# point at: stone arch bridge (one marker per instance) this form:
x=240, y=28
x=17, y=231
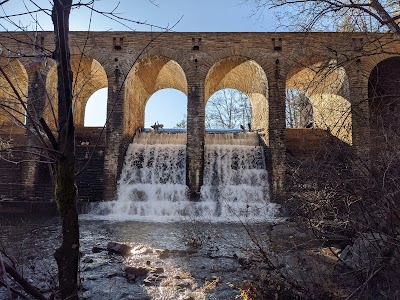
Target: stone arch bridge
x=335, y=71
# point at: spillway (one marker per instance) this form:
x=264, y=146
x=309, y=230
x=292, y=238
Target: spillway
x=152, y=183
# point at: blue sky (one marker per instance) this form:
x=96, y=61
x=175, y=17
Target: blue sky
x=194, y=15
x=167, y=106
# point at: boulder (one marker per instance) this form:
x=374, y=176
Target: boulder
x=367, y=251
x=134, y=273
x=119, y=248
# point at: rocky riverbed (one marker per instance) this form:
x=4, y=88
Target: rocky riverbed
x=172, y=260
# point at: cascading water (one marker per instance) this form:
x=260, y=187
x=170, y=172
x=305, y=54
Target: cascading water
x=152, y=185
x=235, y=178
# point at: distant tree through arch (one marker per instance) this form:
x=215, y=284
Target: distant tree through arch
x=228, y=109
x=299, y=111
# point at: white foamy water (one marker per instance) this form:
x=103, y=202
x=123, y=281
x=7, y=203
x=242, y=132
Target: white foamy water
x=236, y=182
x=152, y=185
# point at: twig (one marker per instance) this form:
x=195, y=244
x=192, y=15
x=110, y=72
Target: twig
x=29, y=288
x=14, y=291
x=365, y=283
x=3, y=269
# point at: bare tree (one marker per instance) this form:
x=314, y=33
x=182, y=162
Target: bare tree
x=228, y=109
x=67, y=256
x=182, y=123
x=62, y=147
x=299, y=112
x=328, y=15
x=350, y=201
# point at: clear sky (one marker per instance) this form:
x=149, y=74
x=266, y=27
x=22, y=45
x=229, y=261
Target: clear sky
x=167, y=107
x=191, y=15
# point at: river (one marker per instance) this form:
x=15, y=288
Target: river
x=195, y=260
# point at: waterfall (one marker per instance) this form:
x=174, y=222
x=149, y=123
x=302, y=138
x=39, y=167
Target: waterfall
x=152, y=185
x=235, y=181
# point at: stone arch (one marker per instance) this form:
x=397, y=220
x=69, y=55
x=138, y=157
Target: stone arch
x=184, y=61
x=326, y=84
x=145, y=78
x=369, y=63
x=246, y=75
x=260, y=56
x=303, y=59
x=13, y=90
x=384, y=102
x=88, y=77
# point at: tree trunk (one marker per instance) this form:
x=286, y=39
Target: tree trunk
x=67, y=256
x=386, y=18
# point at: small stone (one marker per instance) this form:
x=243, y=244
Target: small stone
x=151, y=280
x=88, y=260
x=86, y=268
x=148, y=263
x=43, y=286
x=115, y=274
x=331, y=252
x=92, y=278
x=147, y=282
x=183, y=285
x=164, y=254
x=97, y=249
x=131, y=278
x=157, y=270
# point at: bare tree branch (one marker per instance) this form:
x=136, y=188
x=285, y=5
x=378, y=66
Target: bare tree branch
x=29, y=288
x=4, y=1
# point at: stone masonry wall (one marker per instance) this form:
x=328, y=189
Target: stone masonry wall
x=90, y=180
x=261, y=64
